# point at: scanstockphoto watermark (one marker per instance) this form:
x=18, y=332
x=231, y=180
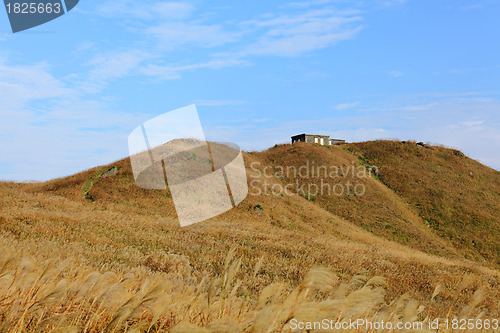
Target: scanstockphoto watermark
x=310, y=180
x=355, y=325
x=361, y=324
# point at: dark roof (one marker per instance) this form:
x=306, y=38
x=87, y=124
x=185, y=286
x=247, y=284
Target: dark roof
x=310, y=135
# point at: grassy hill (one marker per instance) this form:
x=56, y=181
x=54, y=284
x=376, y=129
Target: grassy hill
x=103, y=254
x=374, y=208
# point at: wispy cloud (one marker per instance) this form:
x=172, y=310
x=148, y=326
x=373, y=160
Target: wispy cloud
x=303, y=32
x=472, y=123
x=128, y=9
x=202, y=102
x=345, y=106
x=471, y=7
x=177, y=34
x=414, y=107
x=395, y=73
x=20, y=84
x=112, y=65
x=390, y=3
x=306, y=4
x=172, y=72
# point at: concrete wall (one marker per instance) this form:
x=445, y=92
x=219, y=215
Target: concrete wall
x=317, y=139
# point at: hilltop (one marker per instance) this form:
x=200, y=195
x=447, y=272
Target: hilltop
x=424, y=219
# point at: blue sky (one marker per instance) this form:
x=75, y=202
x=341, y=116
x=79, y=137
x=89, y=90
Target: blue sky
x=73, y=89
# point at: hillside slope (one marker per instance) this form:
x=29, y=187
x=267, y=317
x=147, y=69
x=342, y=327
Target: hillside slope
x=457, y=197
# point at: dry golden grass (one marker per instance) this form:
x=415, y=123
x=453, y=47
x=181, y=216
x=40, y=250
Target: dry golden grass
x=122, y=263
x=68, y=296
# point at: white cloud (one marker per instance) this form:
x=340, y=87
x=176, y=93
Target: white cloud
x=145, y=10
x=415, y=107
x=116, y=64
x=395, y=73
x=472, y=7
x=171, y=35
x=306, y=4
x=161, y=72
x=112, y=65
x=345, y=106
x=218, y=102
x=457, y=94
x=171, y=24
x=19, y=84
x=472, y=123
x=390, y=3
x=172, y=72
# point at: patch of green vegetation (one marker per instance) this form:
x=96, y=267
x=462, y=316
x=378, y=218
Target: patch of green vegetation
x=308, y=196
x=93, y=181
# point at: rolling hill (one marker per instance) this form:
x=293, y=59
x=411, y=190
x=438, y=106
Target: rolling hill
x=414, y=233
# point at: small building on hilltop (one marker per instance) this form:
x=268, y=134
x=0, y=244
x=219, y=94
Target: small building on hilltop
x=323, y=140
